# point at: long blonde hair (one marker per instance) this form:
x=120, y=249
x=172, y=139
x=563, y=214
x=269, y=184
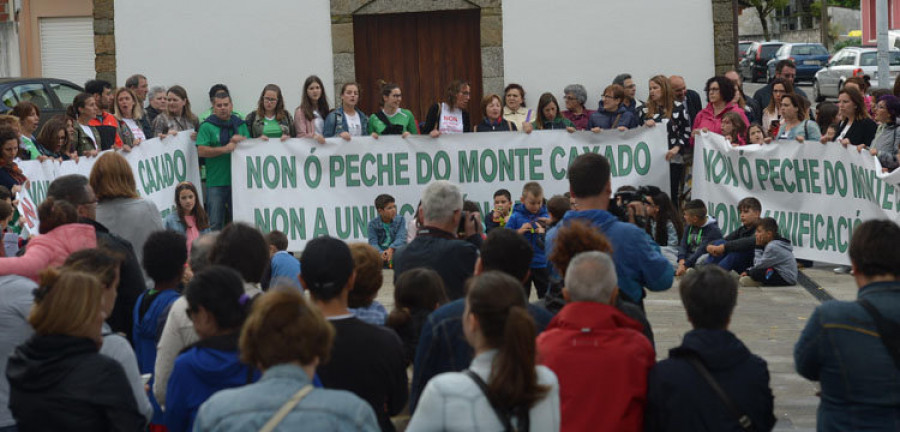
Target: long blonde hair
x=668, y=98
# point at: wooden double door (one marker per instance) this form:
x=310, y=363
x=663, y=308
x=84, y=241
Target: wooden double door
x=422, y=53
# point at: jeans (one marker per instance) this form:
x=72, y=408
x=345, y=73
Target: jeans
x=218, y=206
x=737, y=261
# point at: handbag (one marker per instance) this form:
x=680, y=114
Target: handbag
x=286, y=409
x=521, y=415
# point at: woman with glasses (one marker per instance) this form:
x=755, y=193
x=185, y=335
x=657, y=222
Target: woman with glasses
x=613, y=114
x=887, y=137
x=575, y=97
x=450, y=116
x=53, y=140
x=771, y=115
x=720, y=94
x=630, y=102
x=392, y=120
x=270, y=120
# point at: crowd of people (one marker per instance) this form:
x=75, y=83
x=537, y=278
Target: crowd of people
x=115, y=319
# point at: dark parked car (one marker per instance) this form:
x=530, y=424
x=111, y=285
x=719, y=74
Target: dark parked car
x=753, y=65
x=808, y=57
x=52, y=96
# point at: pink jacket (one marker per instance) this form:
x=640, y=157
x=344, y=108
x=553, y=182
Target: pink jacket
x=305, y=128
x=707, y=119
x=50, y=249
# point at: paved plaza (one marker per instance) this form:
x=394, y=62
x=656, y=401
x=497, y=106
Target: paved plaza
x=769, y=320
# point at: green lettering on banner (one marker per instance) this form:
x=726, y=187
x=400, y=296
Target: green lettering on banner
x=534, y=162
x=610, y=156
x=555, y=154
x=774, y=175
x=162, y=171
x=762, y=172
x=406, y=211
x=337, y=170
x=820, y=222
x=312, y=170
x=441, y=167
x=745, y=172
x=321, y=226
x=624, y=160
x=352, y=165
x=401, y=167
x=292, y=221
x=38, y=190
x=367, y=180
x=507, y=163
x=789, y=185
x=488, y=164
x=814, y=176
x=801, y=174
x=353, y=220
x=842, y=225
x=468, y=166
x=642, y=153
x=888, y=193
x=521, y=154
x=254, y=172
x=830, y=235
x=423, y=168
x=804, y=229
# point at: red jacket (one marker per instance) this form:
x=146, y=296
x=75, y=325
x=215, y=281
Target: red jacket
x=707, y=118
x=108, y=120
x=601, y=359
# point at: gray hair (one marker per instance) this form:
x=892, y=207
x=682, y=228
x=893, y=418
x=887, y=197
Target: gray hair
x=440, y=200
x=591, y=276
x=620, y=79
x=200, y=249
x=154, y=90
x=578, y=91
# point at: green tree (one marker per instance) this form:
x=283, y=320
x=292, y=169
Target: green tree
x=764, y=8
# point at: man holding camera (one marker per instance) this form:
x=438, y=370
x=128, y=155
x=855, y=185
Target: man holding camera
x=436, y=245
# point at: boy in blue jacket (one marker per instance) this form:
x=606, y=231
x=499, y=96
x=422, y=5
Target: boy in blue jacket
x=387, y=232
x=699, y=231
x=530, y=219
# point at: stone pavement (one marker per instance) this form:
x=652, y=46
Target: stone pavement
x=769, y=320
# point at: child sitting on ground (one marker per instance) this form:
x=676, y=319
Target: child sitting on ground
x=387, y=232
x=699, y=231
x=501, y=212
x=735, y=251
x=284, y=266
x=774, y=264
x=530, y=218
x=557, y=207
x=361, y=300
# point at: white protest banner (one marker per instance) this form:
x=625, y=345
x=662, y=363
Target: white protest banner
x=307, y=190
x=817, y=193
x=28, y=213
x=158, y=167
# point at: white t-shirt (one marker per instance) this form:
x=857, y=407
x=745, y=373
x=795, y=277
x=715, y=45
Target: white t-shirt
x=354, y=125
x=90, y=133
x=136, y=130
x=318, y=122
x=451, y=120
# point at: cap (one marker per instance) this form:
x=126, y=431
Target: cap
x=327, y=265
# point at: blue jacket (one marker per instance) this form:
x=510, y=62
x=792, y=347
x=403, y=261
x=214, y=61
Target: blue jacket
x=520, y=216
x=638, y=261
x=145, y=335
x=173, y=223
x=694, y=241
x=377, y=234
x=201, y=370
x=286, y=267
x=248, y=408
x=336, y=122
x=840, y=348
x=604, y=119
x=679, y=399
x=443, y=347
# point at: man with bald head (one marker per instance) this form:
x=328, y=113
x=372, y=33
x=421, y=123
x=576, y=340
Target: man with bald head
x=690, y=98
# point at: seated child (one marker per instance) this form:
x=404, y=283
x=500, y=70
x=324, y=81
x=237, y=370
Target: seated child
x=735, y=251
x=501, y=213
x=774, y=264
x=557, y=207
x=285, y=267
x=387, y=232
x=530, y=218
x=699, y=231
x=361, y=301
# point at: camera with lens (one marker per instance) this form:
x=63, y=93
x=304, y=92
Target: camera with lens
x=625, y=197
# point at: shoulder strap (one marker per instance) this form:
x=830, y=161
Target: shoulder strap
x=286, y=409
x=743, y=419
x=805, y=129
x=501, y=414
x=888, y=330
x=615, y=122
x=384, y=118
x=437, y=120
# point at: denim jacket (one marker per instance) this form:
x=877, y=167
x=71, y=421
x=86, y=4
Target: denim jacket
x=840, y=348
x=377, y=235
x=336, y=122
x=173, y=223
x=250, y=407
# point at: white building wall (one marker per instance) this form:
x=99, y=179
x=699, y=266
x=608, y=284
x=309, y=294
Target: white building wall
x=245, y=45
x=548, y=45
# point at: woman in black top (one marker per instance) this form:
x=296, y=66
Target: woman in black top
x=492, y=107
x=856, y=128
x=450, y=115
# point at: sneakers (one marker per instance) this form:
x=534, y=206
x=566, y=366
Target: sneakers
x=747, y=281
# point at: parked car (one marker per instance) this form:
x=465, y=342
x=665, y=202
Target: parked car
x=848, y=62
x=753, y=65
x=52, y=96
x=808, y=57
x=742, y=47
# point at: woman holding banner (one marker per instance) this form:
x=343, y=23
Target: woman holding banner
x=11, y=175
x=86, y=138
x=548, y=116
x=514, y=111
x=131, y=118
x=771, y=115
x=347, y=121
x=719, y=93
x=450, y=116
x=270, y=120
x=855, y=128
x=662, y=108
x=392, y=120
x=795, y=125
x=53, y=140
x=309, y=118
x=177, y=116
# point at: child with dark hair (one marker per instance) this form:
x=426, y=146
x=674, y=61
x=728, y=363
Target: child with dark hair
x=530, y=219
x=557, y=206
x=699, y=230
x=11, y=241
x=387, y=232
x=417, y=293
x=502, y=207
x=774, y=263
x=165, y=253
x=361, y=300
x=735, y=251
x=284, y=266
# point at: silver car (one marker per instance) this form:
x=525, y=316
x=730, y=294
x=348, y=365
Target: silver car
x=848, y=62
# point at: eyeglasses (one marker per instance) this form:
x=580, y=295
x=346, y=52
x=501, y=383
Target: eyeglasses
x=268, y=99
x=629, y=87
x=567, y=97
x=609, y=97
x=465, y=93
x=712, y=89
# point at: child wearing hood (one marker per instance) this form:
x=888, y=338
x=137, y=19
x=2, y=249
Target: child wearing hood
x=530, y=218
x=699, y=231
x=774, y=263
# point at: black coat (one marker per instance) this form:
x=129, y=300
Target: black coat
x=438, y=250
x=679, y=399
x=431, y=120
x=693, y=104
x=62, y=382
x=861, y=131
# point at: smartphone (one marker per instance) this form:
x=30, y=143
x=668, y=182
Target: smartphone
x=145, y=378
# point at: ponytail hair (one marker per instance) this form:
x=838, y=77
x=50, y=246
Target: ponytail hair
x=219, y=290
x=54, y=213
x=497, y=301
x=386, y=89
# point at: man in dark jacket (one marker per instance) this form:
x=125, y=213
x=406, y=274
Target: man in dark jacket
x=437, y=245
x=679, y=398
x=689, y=98
x=786, y=70
x=75, y=189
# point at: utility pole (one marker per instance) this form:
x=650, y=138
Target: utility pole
x=824, y=23
x=881, y=23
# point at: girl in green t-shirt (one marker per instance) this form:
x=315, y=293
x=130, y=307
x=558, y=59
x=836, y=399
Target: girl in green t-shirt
x=270, y=120
x=392, y=120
